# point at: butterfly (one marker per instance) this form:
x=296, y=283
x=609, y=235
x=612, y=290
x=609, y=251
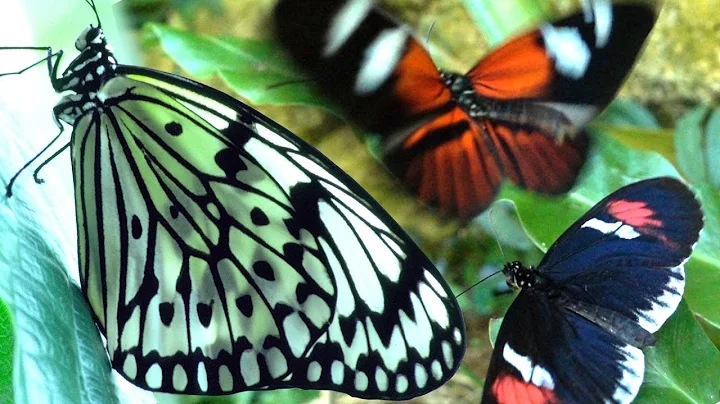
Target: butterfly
x=220, y=253
x=575, y=331
x=452, y=138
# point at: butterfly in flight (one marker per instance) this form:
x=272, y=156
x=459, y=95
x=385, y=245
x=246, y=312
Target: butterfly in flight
x=575, y=331
x=452, y=138
x=220, y=253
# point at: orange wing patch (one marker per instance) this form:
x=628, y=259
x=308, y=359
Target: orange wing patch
x=521, y=68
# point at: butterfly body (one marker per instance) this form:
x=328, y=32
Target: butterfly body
x=576, y=330
x=452, y=138
x=220, y=253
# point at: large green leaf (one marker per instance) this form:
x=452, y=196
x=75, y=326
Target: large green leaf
x=697, y=140
x=7, y=343
x=258, y=70
x=684, y=366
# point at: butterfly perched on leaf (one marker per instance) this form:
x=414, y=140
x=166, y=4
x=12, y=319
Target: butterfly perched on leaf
x=220, y=253
x=575, y=331
x=452, y=138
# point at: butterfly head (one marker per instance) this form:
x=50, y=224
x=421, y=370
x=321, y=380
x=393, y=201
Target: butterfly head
x=518, y=276
x=91, y=36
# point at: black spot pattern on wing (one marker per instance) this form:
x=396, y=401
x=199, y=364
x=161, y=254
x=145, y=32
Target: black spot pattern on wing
x=245, y=305
x=258, y=217
x=174, y=128
x=264, y=270
x=136, y=227
x=167, y=312
x=204, y=312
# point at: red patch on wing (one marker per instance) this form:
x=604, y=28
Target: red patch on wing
x=509, y=389
x=521, y=68
x=417, y=84
x=635, y=214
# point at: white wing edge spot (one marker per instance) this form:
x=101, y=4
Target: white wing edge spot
x=535, y=374
x=421, y=376
x=154, y=376
x=381, y=379
x=401, y=384
x=380, y=60
x=276, y=362
x=361, y=381
x=202, y=378
x=457, y=335
x=249, y=369
x=337, y=372
x=345, y=22
x=130, y=367
x=666, y=304
x=314, y=371
x=437, y=287
x=436, y=369
x=633, y=371
x=225, y=379
x=179, y=378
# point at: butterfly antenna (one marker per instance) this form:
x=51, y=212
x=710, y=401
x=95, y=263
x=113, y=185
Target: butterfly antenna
x=91, y=3
x=427, y=37
x=478, y=282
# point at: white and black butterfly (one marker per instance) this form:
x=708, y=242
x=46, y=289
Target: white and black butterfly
x=574, y=333
x=220, y=253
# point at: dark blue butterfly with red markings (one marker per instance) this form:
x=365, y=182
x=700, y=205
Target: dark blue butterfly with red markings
x=453, y=138
x=574, y=333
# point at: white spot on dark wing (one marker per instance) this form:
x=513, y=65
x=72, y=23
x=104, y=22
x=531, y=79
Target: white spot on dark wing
x=381, y=379
x=435, y=307
x=436, y=370
x=567, y=48
x=314, y=371
x=202, y=378
x=457, y=335
x=664, y=306
x=447, y=354
x=225, y=378
x=316, y=309
x=179, y=378
x=361, y=381
x=534, y=374
x=602, y=11
x=337, y=372
x=249, y=369
x=154, y=376
x=437, y=287
x=318, y=170
x=380, y=60
x=130, y=367
x=401, y=384
x=621, y=230
x=421, y=376
x=633, y=368
x=297, y=333
x=276, y=362
x=344, y=23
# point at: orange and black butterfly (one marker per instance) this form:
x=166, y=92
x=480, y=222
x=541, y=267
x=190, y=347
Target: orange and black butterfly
x=452, y=138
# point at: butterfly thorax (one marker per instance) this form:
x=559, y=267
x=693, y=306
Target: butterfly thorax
x=85, y=75
x=519, y=276
x=529, y=113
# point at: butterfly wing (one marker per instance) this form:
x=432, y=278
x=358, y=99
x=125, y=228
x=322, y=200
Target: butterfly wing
x=459, y=164
x=363, y=60
x=627, y=253
x=566, y=71
x=220, y=254
x=616, y=275
x=548, y=354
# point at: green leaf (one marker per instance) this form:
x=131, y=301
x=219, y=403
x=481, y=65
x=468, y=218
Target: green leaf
x=258, y=70
x=635, y=126
x=609, y=167
x=697, y=140
x=684, y=366
x=7, y=342
x=493, y=329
